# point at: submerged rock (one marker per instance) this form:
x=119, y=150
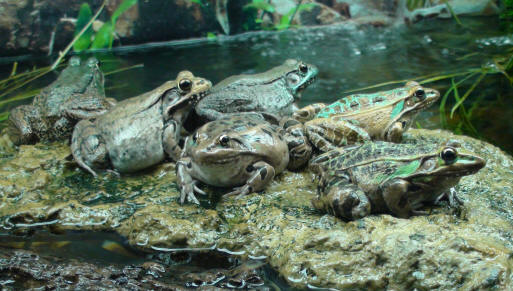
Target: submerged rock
x=449, y=249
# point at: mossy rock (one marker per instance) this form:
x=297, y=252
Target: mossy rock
x=448, y=249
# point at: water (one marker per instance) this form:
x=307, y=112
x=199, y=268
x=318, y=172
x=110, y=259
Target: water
x=348, y=58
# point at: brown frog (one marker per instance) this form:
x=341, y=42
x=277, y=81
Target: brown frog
x=141, y=131
x=78, y=93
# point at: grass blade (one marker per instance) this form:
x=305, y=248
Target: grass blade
x=460, y=102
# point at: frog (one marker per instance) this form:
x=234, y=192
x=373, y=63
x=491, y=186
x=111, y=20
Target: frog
x=78, y=93
x=141, y=131
x=385, y=177
x=358, y=118
x=274, y=92
x=239, y=151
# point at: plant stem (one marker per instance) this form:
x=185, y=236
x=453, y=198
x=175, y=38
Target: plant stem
x=63, y=53
x=295, y=11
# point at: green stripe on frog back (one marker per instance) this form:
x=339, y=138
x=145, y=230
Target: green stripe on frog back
x=400, y=172
x=331, y=109
x=397, y=109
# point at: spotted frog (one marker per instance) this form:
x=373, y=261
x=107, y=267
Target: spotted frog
x=362, y=117
x=141, y=131
x=383, y=177
x=78, y=93
x=272, y=92
x=241, y=150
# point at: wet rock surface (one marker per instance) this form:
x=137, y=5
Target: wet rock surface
x=469, y=248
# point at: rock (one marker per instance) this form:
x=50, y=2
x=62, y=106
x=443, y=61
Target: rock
x=440, y=9
x=449, y=249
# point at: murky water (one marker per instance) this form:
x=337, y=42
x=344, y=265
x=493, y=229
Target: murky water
x=348, y=58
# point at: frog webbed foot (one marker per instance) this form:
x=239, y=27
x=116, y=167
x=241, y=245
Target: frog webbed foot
x=188, y=186
x=262, y=174
x=344, y=201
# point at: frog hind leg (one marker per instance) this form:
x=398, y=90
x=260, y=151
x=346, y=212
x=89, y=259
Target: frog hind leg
x=88, y=148
x=343, y=200
x=300, y=149
x=329, y=133
x=308, y=112
x=262, y=174
x=21, y=129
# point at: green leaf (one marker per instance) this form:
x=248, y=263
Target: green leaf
x=4, y=116
x=211, y=36
x=84, y=15
x=200, y=2
x=284, y=22
x=102, y=39
x=124, y=6
x=259, y=5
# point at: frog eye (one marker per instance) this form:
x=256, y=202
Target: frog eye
x=224, y=139
x=449, y=155
x=185, y=85
x=195, y=137
x=420, y=94
x=303, y=68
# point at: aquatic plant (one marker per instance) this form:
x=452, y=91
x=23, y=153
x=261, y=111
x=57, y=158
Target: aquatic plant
x=257, y=9
x=506, y=15
x=104, y=37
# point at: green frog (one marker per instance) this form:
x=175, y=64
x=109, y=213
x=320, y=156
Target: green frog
x=78, y=93
x=362, y=117
x=384, y=177
x=273, y=92
x=240, y=150
x=141, y=131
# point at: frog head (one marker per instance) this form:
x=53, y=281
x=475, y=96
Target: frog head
x=427, y=176
x=183, y=93
x=404, y=104
x=298, y=75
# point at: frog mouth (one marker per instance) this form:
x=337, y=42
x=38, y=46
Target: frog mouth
x=223, y=157
x=306, y=84
x=195, y=98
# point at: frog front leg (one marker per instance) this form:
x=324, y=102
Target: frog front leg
x=343, y=200
x=308, y=112
x=300, y=149
x=395, y=132
x=397, y=199
x=171, y=139
x=88, y=147
x=330, y=133
x=188, y=186
x=261, y=174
